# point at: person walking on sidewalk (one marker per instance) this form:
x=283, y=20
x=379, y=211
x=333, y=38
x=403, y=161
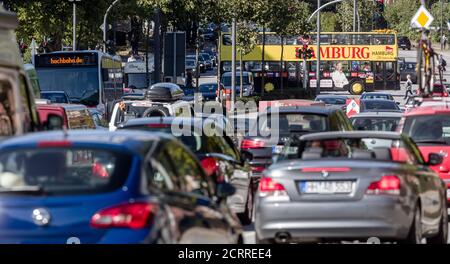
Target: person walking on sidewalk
x=408, y=87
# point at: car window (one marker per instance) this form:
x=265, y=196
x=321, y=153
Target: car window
x=376, y=123
x=163, y=175
x=79, y=119
x=425, y=129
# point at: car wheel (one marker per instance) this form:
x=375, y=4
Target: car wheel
x=415, y=232
x=356, y=88
x=247, y=216
x=156, y=111
x=442, y=236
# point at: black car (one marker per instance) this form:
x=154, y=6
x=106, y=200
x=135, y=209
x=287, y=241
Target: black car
x=331, y=99
x=220, y=159
x=376, y=121
x=266, y=139
x=408, y=68
x=404, y=43
x=379, y=105
x=208, y=91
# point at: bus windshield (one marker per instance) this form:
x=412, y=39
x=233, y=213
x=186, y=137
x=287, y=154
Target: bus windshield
x=80, y=83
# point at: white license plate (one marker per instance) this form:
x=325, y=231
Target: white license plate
x=277, y=149
x=326, y=187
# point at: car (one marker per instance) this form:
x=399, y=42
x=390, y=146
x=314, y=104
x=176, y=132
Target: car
x=376, y=121
x=248, y=83
x=408, y=68
x=439, y=90
x=404, y=43
x=429, y=127
x=377, y=105
x=338, y=186
x=332, y=99
x=377, y=95
x=109, y=188
x=220, y=158
x=73, y=116
x=208, y=58
x=201, y=62
x=57, y=97
x=99, y=120
x=208, y=91
x=266, y=140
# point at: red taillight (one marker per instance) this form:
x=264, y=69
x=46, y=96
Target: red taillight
x=269, y=185
x=54, y=144
x=252, y=144
x=209, y=166
x=131, y=215
x=258, y=168
x=99, y=170
x=388, y=184
x=334, y=169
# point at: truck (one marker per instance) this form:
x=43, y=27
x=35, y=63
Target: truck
x=135, y=75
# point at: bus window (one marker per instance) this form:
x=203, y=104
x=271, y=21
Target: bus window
x=226, y=40
x=383, y=40
x=362, y=39
x=273, y=40
x=325, y=39
x=341, y=39
x=290, y=40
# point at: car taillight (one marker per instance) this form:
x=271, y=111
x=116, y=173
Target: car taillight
x=209, y=166
x=268, y=187
x=54, y=144
x=130, y=215
x=388, y=184
x=252, y=144
x=258, y=168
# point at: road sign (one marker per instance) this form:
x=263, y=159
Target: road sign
x=422, y=18
x=353, y=107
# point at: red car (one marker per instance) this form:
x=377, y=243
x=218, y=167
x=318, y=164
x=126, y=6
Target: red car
x=73, y=116
x=429, y=127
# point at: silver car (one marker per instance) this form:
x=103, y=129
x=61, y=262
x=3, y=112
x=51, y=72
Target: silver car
x=352, y=185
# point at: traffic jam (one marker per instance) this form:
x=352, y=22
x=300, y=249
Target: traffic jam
x=90, y=154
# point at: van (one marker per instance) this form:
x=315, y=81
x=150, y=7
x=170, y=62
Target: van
x=18, y=113
x=248, y=83
x=73, y=116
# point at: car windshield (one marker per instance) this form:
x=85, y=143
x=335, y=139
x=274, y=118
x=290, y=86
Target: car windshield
x=61, y=171
x=349, y=148
x=375, y=123
x=137, y=80
x=207, y=88
x=56, y=98
x=80, y=84
x=226, y=80
x=377, y=96
x=380, y=105
x=292, y=122
x=333, y=101
x=428, y=128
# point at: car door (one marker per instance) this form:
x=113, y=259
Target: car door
x=432, y=189
x=208, y=221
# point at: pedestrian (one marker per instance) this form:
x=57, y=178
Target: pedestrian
x=408, y=86
x=444, y=40
x=189, y=79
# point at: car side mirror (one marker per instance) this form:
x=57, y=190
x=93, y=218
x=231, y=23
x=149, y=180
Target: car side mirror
x=54, y=122
x=434, y=159
x=225, y=190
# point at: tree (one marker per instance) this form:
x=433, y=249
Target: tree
x=246, y=40
x=399, y=15
x=345, y=15
x=329, y=22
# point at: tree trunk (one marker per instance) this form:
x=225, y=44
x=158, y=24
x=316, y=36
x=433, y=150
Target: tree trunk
x=241, y=75
x=281, y=64
x=263, y=69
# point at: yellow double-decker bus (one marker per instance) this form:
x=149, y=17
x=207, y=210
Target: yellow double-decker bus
x=351, y=61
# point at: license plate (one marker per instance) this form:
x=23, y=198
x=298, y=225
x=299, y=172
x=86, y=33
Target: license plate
x=277, y=149
x=326, y=187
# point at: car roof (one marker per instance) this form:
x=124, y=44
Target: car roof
x=351, y=134
x=322, y=110
x=131, y=141
x=378, y=114
x=65, y=106
x=196, y=121
x=428, y=110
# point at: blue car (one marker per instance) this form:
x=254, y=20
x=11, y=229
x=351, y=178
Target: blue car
x=122, y=187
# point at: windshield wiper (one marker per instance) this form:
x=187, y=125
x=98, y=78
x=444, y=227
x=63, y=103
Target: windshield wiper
x=32, y=190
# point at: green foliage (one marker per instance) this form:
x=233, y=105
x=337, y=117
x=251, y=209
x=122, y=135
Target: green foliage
x=436, y=12
x=329, y=22
x=344, y=16
x=399, y=15
x=246, y=39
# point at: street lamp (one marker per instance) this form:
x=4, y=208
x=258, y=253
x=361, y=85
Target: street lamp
x=104, y=23
x=74, y=24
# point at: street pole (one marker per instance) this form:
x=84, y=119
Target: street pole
x=318, y=51
x=157, y=40
x=104, y=23
x=354, y=15
x=233, y=64
x=197, y=65
x=174, y=56
x=442, y=23
x=74, y=24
